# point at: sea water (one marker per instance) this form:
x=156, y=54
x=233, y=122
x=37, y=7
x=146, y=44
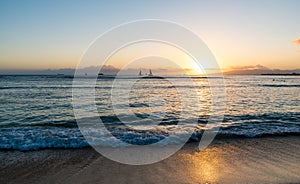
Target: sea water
x=36, y=112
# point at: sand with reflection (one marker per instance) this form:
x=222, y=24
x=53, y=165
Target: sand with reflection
x=259, y=160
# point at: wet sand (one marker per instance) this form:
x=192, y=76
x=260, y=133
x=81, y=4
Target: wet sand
x=257, y=160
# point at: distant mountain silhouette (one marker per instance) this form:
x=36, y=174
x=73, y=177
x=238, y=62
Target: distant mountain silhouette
x=92, y=70
x=111, y=70
x=257, y=70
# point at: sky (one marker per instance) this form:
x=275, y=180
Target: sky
x=55, y=34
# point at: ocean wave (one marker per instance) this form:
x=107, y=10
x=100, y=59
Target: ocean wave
x=35, y=137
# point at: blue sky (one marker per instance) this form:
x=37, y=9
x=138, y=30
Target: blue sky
x=54, y=34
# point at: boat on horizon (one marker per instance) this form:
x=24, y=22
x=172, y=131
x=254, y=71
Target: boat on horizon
x=149, y=76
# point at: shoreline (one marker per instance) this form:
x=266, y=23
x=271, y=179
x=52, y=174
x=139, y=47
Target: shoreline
x=246, y=160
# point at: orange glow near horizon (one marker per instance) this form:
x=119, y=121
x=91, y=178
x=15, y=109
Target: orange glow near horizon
x=155, y=55
x=47, y=59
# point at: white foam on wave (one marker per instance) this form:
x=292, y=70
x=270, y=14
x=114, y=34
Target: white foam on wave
x=34, y=138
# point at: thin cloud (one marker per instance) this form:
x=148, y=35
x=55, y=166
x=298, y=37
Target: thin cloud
x=297, y=41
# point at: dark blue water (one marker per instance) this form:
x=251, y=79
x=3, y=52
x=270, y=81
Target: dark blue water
x=37, y=112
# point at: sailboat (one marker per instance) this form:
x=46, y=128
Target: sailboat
x=150, y=75
x=140, y=73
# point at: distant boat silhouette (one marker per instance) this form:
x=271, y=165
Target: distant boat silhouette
x=150, y=75
x=140, y=73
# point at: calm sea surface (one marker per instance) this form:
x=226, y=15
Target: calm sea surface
x=37, y=111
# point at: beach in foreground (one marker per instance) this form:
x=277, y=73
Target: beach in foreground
x=256, y=160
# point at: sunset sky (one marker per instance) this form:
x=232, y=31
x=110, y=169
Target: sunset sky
x=54, y=34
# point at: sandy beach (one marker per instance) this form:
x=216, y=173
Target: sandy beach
x=257, y=160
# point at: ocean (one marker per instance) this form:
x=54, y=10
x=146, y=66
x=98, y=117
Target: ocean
x=37, y=111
